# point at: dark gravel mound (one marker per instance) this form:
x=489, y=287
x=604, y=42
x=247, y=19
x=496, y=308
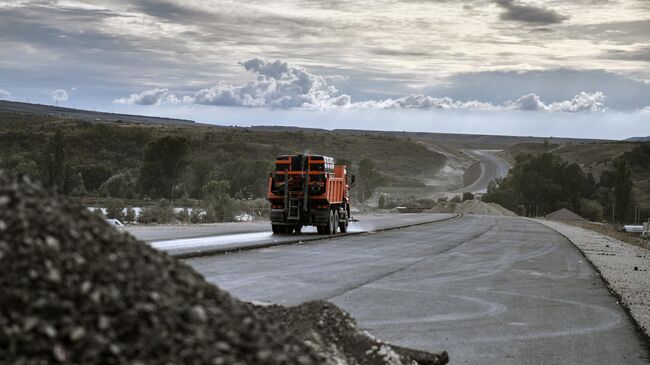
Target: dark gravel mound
x=333, y=332
x=74, y=290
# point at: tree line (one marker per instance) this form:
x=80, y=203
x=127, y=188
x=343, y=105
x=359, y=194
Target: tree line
x=539, y=184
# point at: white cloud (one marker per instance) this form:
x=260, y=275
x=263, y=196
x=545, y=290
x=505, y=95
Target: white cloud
x=278, y=85
x=420, y=101
x=582, y=102
x=645, y=110
x=149, y=97
x=59, y=95
x=4, y=94
x=281, y=85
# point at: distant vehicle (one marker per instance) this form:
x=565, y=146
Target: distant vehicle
x=244, y=217
x=115, y=223
x=309, y=190
x=633, y=229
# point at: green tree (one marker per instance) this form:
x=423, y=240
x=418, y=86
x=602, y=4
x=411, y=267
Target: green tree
x=468, y=196
x=219, y=202
x=369, y=179
x=247, y=178
x=539, y=184
x=54, y=161
x=381, y=204
x=199, y=172
x=121, y=185
x=622, y=190
x=163, y=165
x=115, y=209
x=95, y=175
x=129, y=215
x=591, y=210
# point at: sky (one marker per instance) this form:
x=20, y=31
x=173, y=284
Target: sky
x=575, y=68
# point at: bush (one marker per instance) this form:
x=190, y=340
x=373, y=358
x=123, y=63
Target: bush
x=162, y=212
x=591, y=210
x=381, y=204
x=468, y=196
x=115, y=209
x=183, y=215
x=455, y=199
x=130, y=216
x=196, y=215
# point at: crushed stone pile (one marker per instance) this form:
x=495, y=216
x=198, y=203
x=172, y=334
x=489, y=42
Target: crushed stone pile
x=76, y=291
x=472, y=207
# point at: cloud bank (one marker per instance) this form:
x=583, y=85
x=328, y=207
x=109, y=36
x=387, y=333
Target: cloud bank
x=149, y=97
x=4, y=94
x=59, y=95
x=278, y=84
x=281, y=85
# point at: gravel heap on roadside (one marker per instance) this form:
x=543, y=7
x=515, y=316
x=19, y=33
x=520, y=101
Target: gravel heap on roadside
x=472, y=207
x=74, y=290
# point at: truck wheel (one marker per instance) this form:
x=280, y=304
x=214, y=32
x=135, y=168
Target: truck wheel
x=335, y=222
x=343, y=227
x=330, y=223
x=277, y=229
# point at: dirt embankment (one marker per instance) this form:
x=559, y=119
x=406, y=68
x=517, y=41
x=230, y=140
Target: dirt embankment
x=472, y=207
x=472, y=174
x=76, y=291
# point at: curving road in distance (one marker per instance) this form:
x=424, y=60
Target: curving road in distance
x=492, y=167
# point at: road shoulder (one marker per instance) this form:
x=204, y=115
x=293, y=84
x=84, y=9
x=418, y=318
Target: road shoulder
x=624, y=267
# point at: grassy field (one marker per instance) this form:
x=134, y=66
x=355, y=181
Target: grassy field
x=118, y=146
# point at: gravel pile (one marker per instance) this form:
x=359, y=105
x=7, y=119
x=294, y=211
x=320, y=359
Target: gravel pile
x=74, y=290
x=472, y=207
x=625, y=268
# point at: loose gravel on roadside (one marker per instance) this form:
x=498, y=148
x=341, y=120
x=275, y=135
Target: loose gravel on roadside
x=76, y=291
x=625, y=267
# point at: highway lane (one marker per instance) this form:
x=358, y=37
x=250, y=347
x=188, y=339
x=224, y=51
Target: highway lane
x=486, y=289
x=493, y=167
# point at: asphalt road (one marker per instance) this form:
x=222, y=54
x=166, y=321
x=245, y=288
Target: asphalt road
x=184, y=240
x=493, y=167
x=489, y=290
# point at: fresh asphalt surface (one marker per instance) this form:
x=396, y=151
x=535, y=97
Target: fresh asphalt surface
x=191, y=240
x=493, y=167
x=489, y=290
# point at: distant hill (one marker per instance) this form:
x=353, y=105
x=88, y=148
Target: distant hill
x=69, y=113
x=474, y=140
x=280, y=128
x=638, y=139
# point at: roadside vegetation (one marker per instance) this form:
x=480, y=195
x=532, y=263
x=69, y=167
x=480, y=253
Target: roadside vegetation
x=215, y=172
x=541, y=183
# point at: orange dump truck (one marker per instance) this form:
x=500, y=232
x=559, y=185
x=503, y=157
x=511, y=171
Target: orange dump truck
x=309, y=190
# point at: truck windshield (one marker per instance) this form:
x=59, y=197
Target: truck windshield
x=317, y=167
x=296, y=163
